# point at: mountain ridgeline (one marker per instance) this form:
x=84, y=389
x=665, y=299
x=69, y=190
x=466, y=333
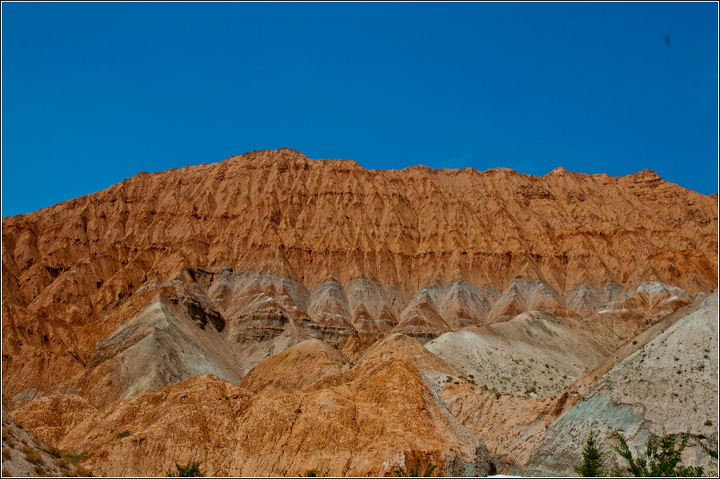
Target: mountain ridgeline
x=313, y=271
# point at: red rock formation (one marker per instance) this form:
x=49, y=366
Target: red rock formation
x=269, y=248
x=174, y=288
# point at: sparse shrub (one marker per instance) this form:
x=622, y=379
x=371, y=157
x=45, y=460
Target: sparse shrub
x=414, y=470
x=40, y=471
x=5, y=435
x=708, y=422
x=661, y=458
x=634, y=342
x=191, y=469
x=54, y=451
x=123, y=434
x=62, y=463
x=10, y=442
x=315, y=473
x=6, y=453
x=6, y=473
x=593, y=461
x=31, y=455
x=74, y=457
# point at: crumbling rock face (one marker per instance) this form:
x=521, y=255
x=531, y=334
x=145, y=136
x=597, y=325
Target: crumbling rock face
x=27, y=455
x=534, y=354
x=216, y=269
x=670, y=385
x=369, y=420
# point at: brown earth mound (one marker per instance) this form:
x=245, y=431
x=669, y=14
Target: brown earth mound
x=376, y=417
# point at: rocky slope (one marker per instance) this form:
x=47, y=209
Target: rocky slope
x=533, y=354
x=669, y=385
x=273, y=276
x=24, y=454
x=325, y=414
x=544, y=436
x=269, y=248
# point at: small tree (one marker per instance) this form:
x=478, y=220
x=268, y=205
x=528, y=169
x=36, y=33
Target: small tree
x=414, y=470
x=661, y=458
x=191, y=469
x=592, y=459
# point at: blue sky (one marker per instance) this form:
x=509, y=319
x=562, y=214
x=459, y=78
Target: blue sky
x=95, y=93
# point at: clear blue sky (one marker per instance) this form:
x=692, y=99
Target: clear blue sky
x=95, y=93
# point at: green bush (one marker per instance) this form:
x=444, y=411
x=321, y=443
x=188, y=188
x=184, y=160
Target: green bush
x=123, y=434
x=315, y=473
x=592, y=459
x=414, y=471
x=74, y=457
x=191, y=469
x=661, y=457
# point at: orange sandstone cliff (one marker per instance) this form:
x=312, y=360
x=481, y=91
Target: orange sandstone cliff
x=213, y=269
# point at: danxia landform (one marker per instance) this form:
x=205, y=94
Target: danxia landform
x=270, y=314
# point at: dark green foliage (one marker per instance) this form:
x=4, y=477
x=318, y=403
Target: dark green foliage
x=661, y=458
x=74, y=457
x=592, y=459
x=191, y=469
x=123, y=434
x=315, y=473
x=414, y=471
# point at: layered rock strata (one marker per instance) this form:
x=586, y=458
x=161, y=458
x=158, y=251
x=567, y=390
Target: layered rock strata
x=269, y=248
x=272, y=278
x=325, y=414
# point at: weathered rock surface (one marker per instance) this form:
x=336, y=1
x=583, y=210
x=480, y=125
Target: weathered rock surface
x=669, y=385
x=369, y=419
x=534, y=353
x=509, y=425
x=24, y=454
x=277, y=248
x=249, y=270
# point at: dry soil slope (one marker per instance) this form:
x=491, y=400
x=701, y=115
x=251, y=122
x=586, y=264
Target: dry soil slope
x=364, y=419
x=534, y=354
x=670, y=384
x=26, y=455
x=279, y=248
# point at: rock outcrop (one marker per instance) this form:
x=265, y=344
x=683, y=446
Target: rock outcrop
x=270, y=278
x=670, y=385
x=533, y=354
x=270, y=248
x=24, y=454
x=365, y=420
